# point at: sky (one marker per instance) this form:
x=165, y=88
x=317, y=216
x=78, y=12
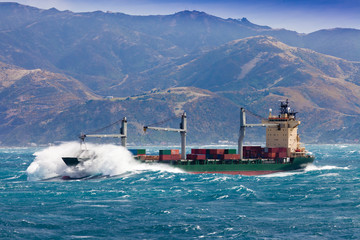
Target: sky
x=303, y=16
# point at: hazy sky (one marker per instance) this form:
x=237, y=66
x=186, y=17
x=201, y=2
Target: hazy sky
x=300, y=15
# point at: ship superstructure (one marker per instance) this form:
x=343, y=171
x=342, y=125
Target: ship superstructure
x=285, y=134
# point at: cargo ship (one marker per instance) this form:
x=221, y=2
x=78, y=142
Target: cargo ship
x=282, y=152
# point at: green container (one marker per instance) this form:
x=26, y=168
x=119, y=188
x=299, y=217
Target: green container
x=230, y=151
x=164, y=152
x=141, y=151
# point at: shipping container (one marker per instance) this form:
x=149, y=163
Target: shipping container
x=196, y=156
x=141, y=151
x=217, y=151
x=164, y=152
x=136, y=152
x=165, y=157
x=230, y=151
x=198, y=151
x=174, y=151
x=133, y=151
x=175, y=156
x=230, y=156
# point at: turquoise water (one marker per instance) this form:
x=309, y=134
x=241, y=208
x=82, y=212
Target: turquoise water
x=126, y=200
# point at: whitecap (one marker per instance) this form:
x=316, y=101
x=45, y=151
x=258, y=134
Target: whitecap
x=329, y=175
x=222, y=197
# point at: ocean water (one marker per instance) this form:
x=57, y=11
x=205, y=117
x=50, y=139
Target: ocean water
x=122, y=199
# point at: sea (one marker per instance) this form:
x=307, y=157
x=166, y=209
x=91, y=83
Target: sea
x=115, y=197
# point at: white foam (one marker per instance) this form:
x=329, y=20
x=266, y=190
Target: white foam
x=308, y=168
x=312, y=167
x=109, y=160
x=281, y=174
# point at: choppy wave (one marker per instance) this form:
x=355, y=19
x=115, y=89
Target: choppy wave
x=108, y=160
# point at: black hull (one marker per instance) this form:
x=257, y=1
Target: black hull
x=71, y=161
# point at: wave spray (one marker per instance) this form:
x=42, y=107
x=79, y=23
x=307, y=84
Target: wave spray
x=108, y=160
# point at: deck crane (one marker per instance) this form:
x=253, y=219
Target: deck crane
x=122, y=135
x=182, y=130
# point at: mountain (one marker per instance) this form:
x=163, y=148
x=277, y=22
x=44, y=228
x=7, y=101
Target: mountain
x=261, y=64
x=256, y=72
x=104, y=50
x=29, y=97
x=340, y=42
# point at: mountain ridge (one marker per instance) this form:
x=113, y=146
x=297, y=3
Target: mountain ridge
x=64, y=70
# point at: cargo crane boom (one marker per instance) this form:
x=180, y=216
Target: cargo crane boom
x=122, y=135
x=182, y=130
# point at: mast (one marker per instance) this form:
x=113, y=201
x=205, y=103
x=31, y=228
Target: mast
x=123, y=132
x=242, y=132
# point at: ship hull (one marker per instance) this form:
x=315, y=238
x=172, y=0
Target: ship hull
x=249, y=168
x=245, y=173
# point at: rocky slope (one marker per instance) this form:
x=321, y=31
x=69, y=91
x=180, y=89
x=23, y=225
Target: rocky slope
x=29, y=97
x=210, y=118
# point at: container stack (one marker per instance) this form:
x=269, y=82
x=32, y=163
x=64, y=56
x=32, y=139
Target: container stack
x=267, y=153
x=273, y=153
x=169, y=155
x=138, y=152
x=197, y=154
x=203, y=154
x=214, y=153
x=230, y=154
x=252, y=151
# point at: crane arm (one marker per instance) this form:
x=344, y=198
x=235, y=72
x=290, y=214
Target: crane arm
x=262, y=125
x=164, y=129
x=105, y=135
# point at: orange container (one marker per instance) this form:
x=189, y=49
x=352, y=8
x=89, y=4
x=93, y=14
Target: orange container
x=174, y=151
x=230, y=156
